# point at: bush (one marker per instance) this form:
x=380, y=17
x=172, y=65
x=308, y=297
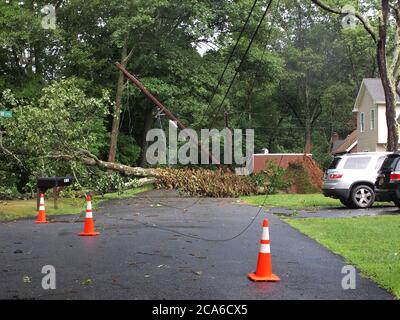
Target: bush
x=128, y=150
x=104, y=182
x=206, y=183
x=9, y=193
x=301, y=179
x=272, y=179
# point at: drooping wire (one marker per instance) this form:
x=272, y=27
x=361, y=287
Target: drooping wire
x=266, y=196
x=263, y=55
x=221, y=79
x=171, y=206
x=241, y=62
x=186, y=235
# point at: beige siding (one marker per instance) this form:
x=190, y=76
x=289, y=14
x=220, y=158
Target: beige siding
x=367, y=140
x=381, y=147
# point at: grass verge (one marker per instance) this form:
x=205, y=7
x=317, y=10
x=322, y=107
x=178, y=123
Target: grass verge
x=372, y=244
x=17, y=209
x=298, y=201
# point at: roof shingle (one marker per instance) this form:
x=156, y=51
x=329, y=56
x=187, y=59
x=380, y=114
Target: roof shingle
x=347, y=143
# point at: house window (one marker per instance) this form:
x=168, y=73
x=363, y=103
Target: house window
x=372, y=119
x=362, y=122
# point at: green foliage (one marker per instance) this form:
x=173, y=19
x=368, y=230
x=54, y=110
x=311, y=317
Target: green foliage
x=8, y=193
x=300, y=177
x=43, y=131
x=128, y=150
x=272, y=179
x=8, y=99
x=63, y=119
x=301, y=74
x=106, y=182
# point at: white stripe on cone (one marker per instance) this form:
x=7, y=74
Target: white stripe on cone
x=265, y=234
x=41, y=208
x=41, y=200
x=265, y=248
x=89, y=213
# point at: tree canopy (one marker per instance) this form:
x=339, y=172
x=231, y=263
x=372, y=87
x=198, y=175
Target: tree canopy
x=302, y=71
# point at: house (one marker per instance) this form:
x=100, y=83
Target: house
x=370, y=112
x=371, y=116
x=347, y=145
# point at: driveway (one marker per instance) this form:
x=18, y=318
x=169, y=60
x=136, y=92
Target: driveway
x=132, y=259
x=337, y=212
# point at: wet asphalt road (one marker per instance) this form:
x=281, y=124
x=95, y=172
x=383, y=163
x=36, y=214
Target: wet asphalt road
x=130, y=260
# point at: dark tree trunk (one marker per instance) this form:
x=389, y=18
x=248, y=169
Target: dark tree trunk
x=389, y=86
x=117, y=108
x=388, y=76
x=308, y=139
x=148, y=123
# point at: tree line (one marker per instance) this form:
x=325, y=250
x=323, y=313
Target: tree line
x=74, y=110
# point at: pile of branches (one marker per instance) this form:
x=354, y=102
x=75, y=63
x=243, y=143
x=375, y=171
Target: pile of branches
x=205, y=183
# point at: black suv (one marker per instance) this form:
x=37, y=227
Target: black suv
x=387, y=185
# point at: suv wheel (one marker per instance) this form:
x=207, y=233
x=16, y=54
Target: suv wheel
x=362, y=196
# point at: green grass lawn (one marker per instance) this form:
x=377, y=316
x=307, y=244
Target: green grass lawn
x=372, y=244
x=17, y=209
x=298, y=201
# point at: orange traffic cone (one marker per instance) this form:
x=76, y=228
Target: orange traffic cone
x=42, y=211
x=88, y=229
x=264, y=265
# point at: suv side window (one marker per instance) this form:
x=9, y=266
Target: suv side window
x=357, y=163
x=379, y=162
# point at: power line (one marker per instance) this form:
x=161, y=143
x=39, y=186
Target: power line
x=248, y=102
x=242, y=61
x=231, y=56
x=187, y=235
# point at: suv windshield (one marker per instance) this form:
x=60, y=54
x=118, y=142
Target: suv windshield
x=335, y=163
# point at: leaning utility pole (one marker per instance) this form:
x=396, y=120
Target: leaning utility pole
x=142, y=88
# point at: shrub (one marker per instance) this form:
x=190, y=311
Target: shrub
x=272, y=179
x=8, y=193
x=107, y=182
x=128, y=150
x=301, y=179
x=276, y=177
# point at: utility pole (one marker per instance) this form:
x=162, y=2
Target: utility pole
x=142, y=88
x=229, y=137
x=226, y=116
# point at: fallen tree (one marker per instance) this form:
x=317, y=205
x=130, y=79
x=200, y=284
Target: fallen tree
x=87, y=158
